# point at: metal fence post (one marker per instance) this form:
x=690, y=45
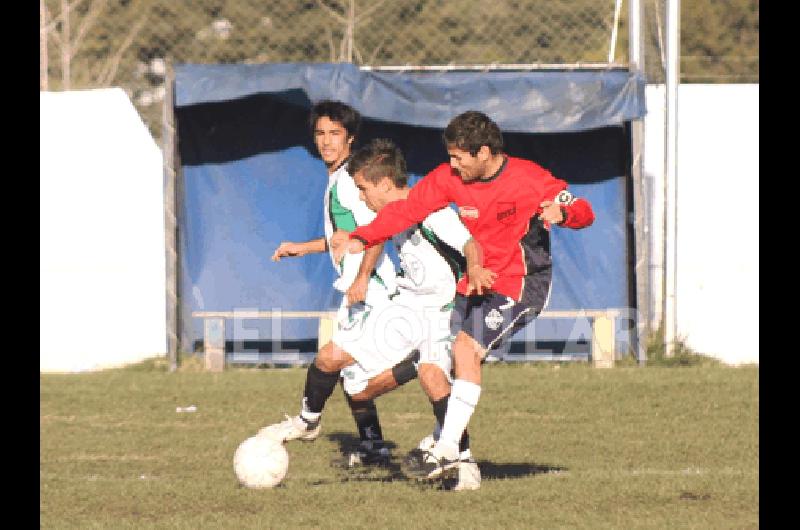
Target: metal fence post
x=170, y=223
x=640, y=223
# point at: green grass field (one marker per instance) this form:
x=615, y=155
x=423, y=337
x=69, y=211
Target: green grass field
x=559, y=446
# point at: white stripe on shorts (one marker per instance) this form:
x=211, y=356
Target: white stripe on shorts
x=489, y=347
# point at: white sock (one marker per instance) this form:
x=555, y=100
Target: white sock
x=463, y=399
x=307, y=415
x=466, y=454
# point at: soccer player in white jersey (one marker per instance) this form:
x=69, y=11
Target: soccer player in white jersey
x=366, y=280
x=432, y=255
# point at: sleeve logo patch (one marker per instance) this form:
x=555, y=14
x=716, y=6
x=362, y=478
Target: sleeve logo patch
x=565, y=197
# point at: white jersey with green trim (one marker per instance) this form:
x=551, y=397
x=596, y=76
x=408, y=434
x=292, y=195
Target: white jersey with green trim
x=432, y=255
x=344, y=210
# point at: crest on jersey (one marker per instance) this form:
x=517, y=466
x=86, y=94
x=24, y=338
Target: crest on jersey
x=506, y=212
x=412, y=268
x=494, y=319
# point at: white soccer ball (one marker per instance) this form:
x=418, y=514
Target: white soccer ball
x=260, y=462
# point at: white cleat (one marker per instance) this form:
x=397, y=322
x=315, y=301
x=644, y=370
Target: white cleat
x=427, y=443
x=292, y=428
x=469, y=476
x=424, y=446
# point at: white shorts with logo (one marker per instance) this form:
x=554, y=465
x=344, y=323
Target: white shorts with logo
x=381, y=332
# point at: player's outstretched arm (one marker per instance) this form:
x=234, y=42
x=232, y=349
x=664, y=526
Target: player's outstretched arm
x=478, y=278
x=292, y=249
x=427, y=196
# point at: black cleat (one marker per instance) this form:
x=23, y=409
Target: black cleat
x=363, y=457
x=413, y=458
x=427, y=466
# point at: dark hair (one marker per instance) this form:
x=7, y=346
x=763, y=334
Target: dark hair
x=471, y=130
x=338, y=112
x=380, y=158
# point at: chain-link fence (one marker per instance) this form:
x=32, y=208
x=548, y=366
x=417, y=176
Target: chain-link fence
x=718, y=41
x=129, y=43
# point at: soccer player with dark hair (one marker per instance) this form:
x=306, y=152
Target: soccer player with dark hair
x=509, y=205
x=365, y=279
x=434, y=254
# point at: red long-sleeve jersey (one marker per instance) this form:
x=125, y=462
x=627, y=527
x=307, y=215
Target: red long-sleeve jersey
x=500, y=213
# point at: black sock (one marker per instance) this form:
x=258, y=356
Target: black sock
x=365, y=413
x=439, y=410
x=319, y=387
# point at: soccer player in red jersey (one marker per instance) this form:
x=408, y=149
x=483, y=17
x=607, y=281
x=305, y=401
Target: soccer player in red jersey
x=509, y=206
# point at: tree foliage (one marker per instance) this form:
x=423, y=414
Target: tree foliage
x=130, y=43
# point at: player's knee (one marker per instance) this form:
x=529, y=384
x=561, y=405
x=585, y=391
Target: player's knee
x=467, y=356
x=467, y=348
x=330, y=358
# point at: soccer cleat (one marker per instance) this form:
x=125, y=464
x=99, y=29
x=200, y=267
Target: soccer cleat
x=429, y=466
x=365, y=457
x=426, y=444
x=292, y=428
x=469, y=476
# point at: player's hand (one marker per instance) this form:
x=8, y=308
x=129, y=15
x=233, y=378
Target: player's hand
x=358, y=291
x=340, y=248
x=551, y=212
x=479, y=279
x=338, y=244
x=287, y=248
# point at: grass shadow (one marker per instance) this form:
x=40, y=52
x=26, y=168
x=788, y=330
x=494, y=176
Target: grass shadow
x=347, y=442
x=492, y=471
x=393, y=472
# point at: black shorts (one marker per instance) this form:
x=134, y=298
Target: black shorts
x=491, y=319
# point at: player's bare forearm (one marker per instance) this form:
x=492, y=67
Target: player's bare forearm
x=316, y=245
x=473, y=254
x=479, y=278
x=358, y=290
x=371, y=256
x=292, y=249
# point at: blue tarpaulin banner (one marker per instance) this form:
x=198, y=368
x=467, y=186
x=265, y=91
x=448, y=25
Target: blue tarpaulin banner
x=535, y=102
x=250, y=178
